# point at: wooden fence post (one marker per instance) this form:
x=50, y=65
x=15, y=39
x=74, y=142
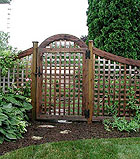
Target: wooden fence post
x=34, y=79
x=90, y=81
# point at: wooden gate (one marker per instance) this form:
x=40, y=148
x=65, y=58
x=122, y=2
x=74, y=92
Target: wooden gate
x=60, y=77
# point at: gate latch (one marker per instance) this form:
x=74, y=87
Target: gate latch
x=87, y=54
x=86, y=113
x=39, y=73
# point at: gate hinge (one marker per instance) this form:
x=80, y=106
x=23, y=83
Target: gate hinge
x=87, y=113
x=87, y=54
x=38, y=73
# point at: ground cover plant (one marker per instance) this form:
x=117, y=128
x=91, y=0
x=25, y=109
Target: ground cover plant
x=125, y=148
x=121, y=123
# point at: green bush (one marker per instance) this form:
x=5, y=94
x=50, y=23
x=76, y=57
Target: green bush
x=114, y=26
x=13, y=118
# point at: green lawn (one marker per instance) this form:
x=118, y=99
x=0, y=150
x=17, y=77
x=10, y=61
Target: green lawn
x=124, y=148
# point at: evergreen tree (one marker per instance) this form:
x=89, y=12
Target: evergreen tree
x=114, y=26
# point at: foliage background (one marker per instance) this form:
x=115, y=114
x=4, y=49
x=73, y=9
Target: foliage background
x=8, y=54
x=114, y=26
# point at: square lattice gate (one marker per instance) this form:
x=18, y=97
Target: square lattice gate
x=60, y=77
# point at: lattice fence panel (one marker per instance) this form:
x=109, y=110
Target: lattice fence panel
x=17, y=76
x=113, y=83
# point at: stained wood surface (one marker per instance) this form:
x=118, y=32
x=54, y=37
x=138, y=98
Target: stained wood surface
x=25, y=53
x=57, y=50
x=73, y=117
x=34, y=80
x=90, y=74
x=116, y=58
x=63, y=37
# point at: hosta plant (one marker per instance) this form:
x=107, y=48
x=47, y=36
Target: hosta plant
x=13, y=118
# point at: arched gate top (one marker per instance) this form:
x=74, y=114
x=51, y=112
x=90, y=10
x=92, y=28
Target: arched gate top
x=67, y=37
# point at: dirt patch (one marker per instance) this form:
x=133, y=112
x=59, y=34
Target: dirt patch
x=76, y=130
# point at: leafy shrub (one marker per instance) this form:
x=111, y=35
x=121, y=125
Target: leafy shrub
x=7, y=60
x=114, y=26
x=13, y=118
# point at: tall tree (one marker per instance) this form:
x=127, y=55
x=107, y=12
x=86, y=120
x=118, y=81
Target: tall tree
x=114, y=26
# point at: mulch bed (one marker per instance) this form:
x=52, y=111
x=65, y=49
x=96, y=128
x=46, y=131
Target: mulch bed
x=79, y=130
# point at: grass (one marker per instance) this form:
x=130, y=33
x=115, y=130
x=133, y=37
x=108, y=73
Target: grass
x=123, y=148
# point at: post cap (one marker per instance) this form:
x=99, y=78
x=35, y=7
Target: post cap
x=35, y=42
x=90, y=40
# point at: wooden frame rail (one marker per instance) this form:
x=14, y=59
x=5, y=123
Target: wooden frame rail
x=96, y=51
x=116, y=58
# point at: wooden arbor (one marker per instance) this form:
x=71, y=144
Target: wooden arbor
x=62, y=78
